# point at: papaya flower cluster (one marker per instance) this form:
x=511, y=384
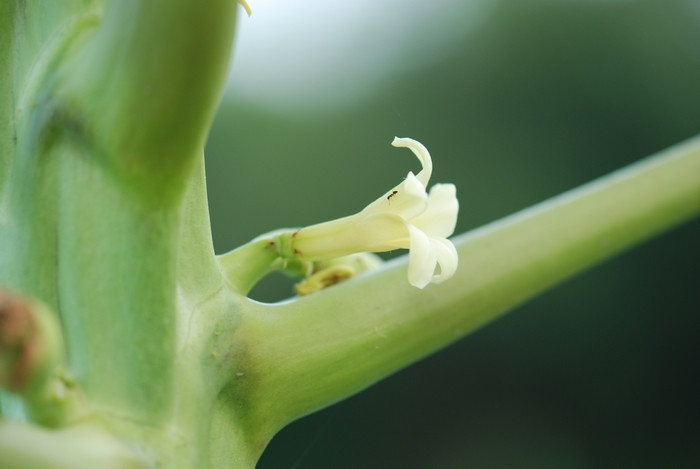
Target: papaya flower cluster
x=406, y=217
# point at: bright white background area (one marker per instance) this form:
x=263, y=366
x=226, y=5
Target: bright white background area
x=321, y=54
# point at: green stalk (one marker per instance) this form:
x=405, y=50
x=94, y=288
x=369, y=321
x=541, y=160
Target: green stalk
x=103, y=216
x=166, y=61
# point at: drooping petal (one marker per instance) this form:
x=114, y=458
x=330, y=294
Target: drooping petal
x=422, y=258
x=447, y=259
x=440, y=217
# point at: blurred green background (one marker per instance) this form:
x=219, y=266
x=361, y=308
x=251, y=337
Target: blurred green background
x=517, y=101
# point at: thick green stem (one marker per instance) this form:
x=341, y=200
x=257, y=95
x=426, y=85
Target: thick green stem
x=104, y=216
x=166, y=61
x=7, y=52
x=316, y=350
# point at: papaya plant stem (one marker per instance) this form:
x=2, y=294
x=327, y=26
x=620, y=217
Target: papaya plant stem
x=167, y=61
x=313, y=351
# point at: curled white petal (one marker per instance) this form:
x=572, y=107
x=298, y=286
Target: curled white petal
x=422, y=258
x=440, y=217
x=423, y=156
x=447, y=259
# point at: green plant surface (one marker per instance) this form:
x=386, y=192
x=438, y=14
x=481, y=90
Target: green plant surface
x=161, y=360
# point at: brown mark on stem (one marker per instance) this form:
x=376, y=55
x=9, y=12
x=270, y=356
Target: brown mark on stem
x=19, y=342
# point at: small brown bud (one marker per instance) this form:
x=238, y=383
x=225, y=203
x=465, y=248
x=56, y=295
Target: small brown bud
x=19, y=342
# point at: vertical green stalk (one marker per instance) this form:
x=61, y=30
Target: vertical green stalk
x=7, y=13
x=149, y=79
x=106, y=124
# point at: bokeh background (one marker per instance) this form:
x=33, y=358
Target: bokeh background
x=517, y=100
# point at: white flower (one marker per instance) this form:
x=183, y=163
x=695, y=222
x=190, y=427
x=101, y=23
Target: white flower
x=406, y=217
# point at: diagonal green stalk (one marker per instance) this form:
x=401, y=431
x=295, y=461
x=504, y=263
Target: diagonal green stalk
x=315, y=350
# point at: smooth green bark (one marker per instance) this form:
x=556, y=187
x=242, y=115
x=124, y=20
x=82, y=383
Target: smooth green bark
x=166, y=60
x=104, y=207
